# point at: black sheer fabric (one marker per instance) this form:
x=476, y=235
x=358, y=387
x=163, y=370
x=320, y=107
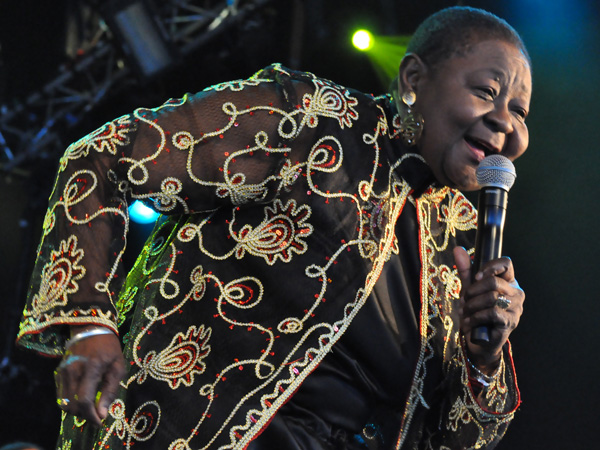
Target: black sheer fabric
x=354, y=399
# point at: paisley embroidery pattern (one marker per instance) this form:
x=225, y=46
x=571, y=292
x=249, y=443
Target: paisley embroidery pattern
x=60, y=276
x=180, y=361
x=282, y=233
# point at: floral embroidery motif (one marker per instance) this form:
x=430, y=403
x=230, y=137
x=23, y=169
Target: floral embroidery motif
x=60, y=276
x=330, y=101
x=459, y=214
x=281, y=233
x=181, y=360
x=107, y=138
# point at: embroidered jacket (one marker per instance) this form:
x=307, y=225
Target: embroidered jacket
x=279, y=196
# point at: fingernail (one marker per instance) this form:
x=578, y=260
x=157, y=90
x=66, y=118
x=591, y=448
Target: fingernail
x=479, y=276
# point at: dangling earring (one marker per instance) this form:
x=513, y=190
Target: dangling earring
x=411, y=125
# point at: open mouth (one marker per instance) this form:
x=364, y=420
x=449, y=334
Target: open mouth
x=479, y=148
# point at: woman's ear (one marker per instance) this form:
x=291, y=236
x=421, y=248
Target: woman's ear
x=412, y=71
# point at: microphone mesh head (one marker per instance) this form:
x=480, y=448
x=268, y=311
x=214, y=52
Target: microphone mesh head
x=496, y=171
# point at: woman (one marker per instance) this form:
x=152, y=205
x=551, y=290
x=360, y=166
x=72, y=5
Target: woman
x=298, y=214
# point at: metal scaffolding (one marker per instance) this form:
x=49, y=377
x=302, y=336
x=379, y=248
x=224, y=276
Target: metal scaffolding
x=101, y=65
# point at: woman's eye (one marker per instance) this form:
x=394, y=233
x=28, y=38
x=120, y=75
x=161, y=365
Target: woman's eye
x=487, y=93
x=521, y=113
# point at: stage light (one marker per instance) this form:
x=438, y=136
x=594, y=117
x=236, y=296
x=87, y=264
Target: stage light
x=362, y=40
x=384, y=52
x=141, y=37
x=140, y=213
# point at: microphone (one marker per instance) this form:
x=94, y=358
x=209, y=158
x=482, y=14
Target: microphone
x=496, y=175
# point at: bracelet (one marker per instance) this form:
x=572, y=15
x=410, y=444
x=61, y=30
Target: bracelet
x=481, y=377
x=98, y=331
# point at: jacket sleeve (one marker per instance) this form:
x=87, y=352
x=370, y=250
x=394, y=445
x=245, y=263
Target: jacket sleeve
x=474, y=414
x=224, y=145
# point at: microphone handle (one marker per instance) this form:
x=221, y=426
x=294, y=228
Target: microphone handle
x=488, y=243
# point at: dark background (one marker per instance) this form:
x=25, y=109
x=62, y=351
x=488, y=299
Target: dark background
x=553, y=205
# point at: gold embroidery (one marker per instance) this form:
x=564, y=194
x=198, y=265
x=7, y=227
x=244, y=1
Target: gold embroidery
x=329, y=101
x=282, y=233
x=107, y=138
x=237, y=85
x=180, y=360
x=141, y=426
x=440, y=285
x=459, y=414
x=59, y=277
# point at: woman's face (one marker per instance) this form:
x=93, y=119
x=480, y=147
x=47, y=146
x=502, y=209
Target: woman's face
x=474, y=105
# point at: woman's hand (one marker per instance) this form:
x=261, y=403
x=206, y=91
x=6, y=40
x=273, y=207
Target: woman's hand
x=87, y=379
x=480, y=306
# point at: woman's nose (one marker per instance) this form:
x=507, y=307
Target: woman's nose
x=500, y=118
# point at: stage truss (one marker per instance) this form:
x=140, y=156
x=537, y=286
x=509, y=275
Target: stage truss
x=34, y=128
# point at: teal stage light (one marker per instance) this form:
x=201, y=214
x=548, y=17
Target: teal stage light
x=140, y=213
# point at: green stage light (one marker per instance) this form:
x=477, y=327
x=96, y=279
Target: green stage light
x=362, y=40
x=384, y=52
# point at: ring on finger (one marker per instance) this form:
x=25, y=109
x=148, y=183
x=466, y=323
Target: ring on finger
x=502, y=302
x=62, y=402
